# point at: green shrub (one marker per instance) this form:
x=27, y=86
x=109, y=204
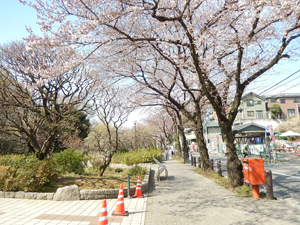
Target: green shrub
x=118, y=170
x=118, y=157
x=70, y=161
x=142, y=155
x=26, y=173
x=137, y=170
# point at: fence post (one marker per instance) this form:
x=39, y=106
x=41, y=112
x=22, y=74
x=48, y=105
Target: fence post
x=219, y=168
x=211, y=164
x=269, y=184
x=192, y=160
x=195, y=162
x=128, y=185
x=199, y=162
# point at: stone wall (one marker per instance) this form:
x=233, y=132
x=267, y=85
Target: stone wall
x=83, y=194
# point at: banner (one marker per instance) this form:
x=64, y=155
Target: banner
x=271, y=132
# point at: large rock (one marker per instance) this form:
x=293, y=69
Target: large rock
x=68, y=193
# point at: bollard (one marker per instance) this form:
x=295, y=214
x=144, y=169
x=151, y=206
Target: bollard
x=211, y=164
x=192, y=161
x=219, y=168
x=199, y=163
x=128, y=185
x=195, y=162
x=269, y=184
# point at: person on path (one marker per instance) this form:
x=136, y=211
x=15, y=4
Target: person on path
x=245, y=151
x=170, y=153
x=166, y=153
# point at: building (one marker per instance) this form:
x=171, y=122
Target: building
x=289, y=104
x=212, y=135
x=252, y=107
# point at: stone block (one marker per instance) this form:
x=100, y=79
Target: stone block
x=10, y=194
x=31, y=195
x=68, y=193
x=20, y=194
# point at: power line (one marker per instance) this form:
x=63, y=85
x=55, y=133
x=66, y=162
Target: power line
x=279, y=82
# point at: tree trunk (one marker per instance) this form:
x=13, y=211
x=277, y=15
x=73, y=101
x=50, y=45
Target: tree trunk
x=105, y=164
x=234, y=165
x=198, y=129
x=204, y=157
x=177, y=140
x=184, y=144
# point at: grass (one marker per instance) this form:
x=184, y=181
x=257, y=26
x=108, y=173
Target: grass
x=242, y=191
x=178, y=158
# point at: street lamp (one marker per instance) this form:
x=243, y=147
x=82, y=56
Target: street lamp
x=135, y=134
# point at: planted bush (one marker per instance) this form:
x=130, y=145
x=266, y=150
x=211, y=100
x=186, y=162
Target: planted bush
x=26, y=173
x=137, y=170
x=142, y=155
x=70, y=161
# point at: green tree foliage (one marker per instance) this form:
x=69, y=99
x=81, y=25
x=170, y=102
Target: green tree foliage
x=74, y=134
x=275, y=111
x=81, y=123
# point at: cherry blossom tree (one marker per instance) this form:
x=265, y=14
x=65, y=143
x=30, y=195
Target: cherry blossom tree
x=37, y=107
x=223, y=45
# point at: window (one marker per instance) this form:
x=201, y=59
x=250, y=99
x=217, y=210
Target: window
x=250, y=113
x=257, y=102
x=250, y=102
x=296, y=100
x=282, y=101
x=291, y=112
x=259, y=114
x=272, y=100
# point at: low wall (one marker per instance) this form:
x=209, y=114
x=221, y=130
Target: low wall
x=84, y=194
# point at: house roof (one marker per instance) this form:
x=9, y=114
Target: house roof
x=283, y=95
x=252, y=94
x=212, y=124
x=250, y=127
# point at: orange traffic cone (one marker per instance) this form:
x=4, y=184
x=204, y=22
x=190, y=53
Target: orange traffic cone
x=138, y=189
x=120, y=209
x=103, y=219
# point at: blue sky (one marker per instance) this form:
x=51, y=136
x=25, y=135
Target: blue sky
x=14, y=16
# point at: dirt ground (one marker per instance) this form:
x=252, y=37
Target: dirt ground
x=110, y=180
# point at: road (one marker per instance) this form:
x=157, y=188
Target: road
x=285, y=174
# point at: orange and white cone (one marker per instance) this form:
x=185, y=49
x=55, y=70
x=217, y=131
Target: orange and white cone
x=103, y=219
x=138, y=189
x=120, y=208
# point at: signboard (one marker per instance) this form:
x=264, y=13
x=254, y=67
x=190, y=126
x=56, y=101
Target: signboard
x=256, y=149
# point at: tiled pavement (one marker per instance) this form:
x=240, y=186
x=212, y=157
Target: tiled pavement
x=84, y=212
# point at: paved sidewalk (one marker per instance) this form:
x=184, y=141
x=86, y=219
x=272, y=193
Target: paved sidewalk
x=188, y=198
x=84, y=212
